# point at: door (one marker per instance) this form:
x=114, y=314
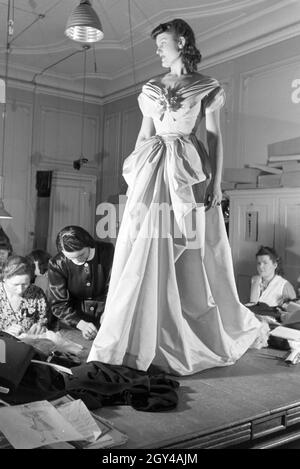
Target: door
x=72, y=202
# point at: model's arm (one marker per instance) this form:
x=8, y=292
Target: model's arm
x=147, y=130
x=215, y=151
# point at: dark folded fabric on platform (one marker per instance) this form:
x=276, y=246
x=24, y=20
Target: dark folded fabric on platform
x=98, y=385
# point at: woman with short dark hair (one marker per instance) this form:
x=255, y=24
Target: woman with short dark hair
x=269, y=286
x=78, y=280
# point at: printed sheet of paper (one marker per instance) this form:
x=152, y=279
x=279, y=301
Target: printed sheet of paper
x=80, y=418
x=35, y=424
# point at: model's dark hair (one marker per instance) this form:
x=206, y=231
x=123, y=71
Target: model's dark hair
x=74, y=238
x=17, y=265
x=271, y=252
x=41, y=257
x=191, y=56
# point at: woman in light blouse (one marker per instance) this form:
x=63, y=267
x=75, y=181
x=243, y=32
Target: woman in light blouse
x=269, y=286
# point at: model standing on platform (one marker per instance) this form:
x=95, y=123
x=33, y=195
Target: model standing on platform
x=172, y=300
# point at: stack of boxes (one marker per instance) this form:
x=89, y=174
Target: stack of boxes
x=282, y=169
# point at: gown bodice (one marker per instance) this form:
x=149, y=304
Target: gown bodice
x=176, y=109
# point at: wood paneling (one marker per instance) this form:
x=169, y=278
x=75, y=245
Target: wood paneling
x=61, y=135
x=17, y=174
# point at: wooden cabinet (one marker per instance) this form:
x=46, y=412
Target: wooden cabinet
x=269, y=217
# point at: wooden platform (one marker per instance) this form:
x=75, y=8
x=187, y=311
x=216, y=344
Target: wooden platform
x=254, y=403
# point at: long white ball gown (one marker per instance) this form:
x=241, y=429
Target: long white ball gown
x=172, y=299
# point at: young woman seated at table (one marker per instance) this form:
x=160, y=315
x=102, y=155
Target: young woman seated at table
x=269, y=289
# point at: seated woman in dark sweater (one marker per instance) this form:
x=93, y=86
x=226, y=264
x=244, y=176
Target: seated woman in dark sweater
x=78, y=280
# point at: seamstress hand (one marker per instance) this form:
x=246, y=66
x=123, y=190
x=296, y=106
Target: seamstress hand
x=213, y=196
x=89, y=331
x=14, y=329
x=37, y=329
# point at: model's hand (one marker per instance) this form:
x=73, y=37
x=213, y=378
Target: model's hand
x=36, y=329
x=213, y=196
x=14, y=329
x=89, y=331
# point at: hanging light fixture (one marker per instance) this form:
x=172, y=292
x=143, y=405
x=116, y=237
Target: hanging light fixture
x=84, y=24
x=9, y=31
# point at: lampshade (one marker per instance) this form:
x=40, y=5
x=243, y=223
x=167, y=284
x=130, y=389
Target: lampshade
x=84, y=25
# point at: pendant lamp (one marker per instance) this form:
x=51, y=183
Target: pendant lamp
x=84, y=24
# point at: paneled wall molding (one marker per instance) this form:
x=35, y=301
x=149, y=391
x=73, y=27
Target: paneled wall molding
x=120, y=133
x=246, y=79
x=127, y=117
x=125, y=93
x=111, y=153
x=278, y=65
x=66, y=144
x=251, y=46
x=227, y=119
x=71, y=177
x=54, y=90
x=17, y=103
x=17, y=172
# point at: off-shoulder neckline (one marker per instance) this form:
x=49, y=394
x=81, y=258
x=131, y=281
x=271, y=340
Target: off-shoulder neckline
x=180, y=85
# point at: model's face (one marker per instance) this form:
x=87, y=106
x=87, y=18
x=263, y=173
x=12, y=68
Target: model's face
x=265, y=266
x=17, y=284
x=78, y=257
x=167, y=49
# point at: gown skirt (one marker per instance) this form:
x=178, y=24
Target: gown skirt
x=172, y=300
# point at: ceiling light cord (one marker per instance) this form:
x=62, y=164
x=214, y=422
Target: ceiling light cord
x=9, y=23
x=132, y=47
x=4, y=112
x=40, y=17
x=55, y=63
x=85, y=48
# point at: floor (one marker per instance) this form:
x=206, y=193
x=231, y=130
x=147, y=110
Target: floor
x=249, y=398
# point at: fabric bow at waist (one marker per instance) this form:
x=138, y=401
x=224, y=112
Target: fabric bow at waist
x=163, y=169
